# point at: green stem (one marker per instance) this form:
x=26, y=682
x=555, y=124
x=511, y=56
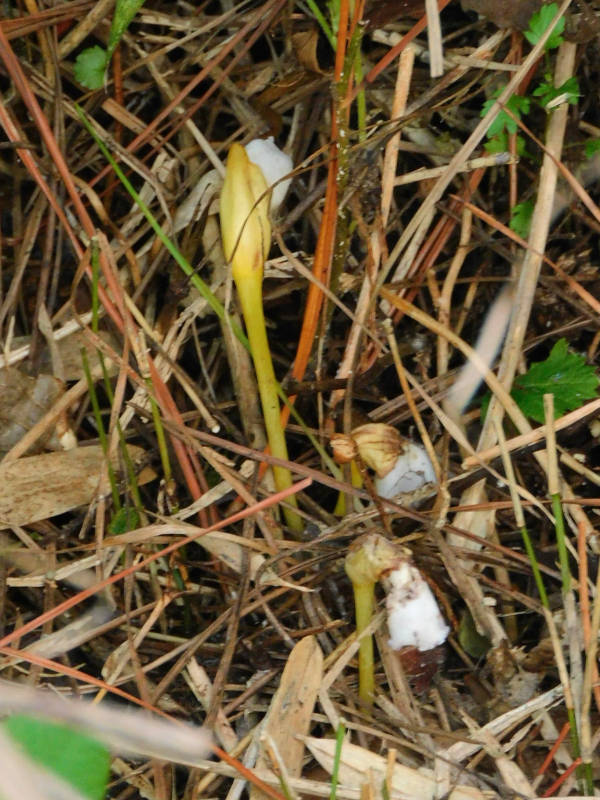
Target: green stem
x=319, y=16
x=100, y=427
x=535, y=567
x=339, y=742
x=364, y=602
x=250, y=295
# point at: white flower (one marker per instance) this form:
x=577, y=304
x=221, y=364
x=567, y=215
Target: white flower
x=413, y=614
x=274, y=164
x=412, y=470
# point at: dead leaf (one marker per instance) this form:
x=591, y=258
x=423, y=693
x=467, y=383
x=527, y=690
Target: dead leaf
x=504, y=13
x=381, y=12
x=23, y=402
x=305, y=47
x=289, y=714
x=41, y=486
x=359, y=766
x=69, y=349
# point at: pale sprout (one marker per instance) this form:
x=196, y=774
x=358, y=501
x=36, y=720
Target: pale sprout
x=246, y=238
x=274, y=164
x=414, y=618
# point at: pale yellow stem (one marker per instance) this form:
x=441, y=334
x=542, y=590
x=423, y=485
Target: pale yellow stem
x=250, y=295
x=364, y=601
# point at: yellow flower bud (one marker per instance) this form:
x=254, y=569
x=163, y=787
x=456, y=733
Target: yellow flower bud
x=245, y=226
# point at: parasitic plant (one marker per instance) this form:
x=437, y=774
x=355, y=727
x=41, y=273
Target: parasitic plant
x=246, y=233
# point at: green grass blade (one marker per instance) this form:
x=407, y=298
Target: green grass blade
x=339, y=741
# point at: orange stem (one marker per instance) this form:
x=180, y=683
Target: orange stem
x=321, y=268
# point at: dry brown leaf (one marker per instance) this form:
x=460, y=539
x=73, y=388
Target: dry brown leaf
x=69, y=350
x=359, y=766
x=305, y=48
x=504, y=13
x=41, y=486
x=381, y=12
x=23, y=402
x=289, y=714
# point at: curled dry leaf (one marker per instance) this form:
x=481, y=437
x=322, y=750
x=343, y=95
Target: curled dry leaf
x=305, y=47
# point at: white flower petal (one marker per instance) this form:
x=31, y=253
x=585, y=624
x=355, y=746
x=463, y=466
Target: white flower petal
x=413, y=614
x=274, y=164
x=412, y=470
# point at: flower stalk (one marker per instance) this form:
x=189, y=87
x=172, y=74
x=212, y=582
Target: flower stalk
x=364, y=564
x=364, y=602
x=363, y=586
x=246, y=234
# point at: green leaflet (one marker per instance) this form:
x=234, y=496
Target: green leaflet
x=563, y=374
x=91, y=64
x=74, y=757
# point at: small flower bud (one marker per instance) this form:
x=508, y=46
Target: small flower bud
x=344, y=448
x=370, y=557
x=245, y=225
x=379, y=446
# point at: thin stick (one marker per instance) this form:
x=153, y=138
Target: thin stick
x=434, y=39
x=388, y=173
x=423, y=432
